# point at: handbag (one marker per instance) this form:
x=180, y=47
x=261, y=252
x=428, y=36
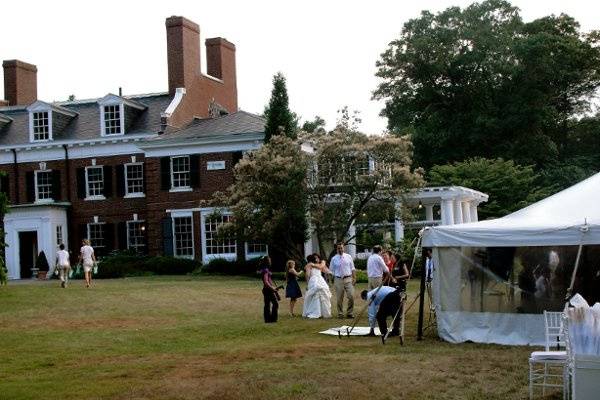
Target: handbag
x=78, y=270
x=71, y=273
x=95, y=268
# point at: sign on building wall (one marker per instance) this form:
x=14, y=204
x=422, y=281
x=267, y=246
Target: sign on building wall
x=215, y=165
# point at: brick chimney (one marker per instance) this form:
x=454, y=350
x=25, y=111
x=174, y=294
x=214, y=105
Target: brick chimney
x=220, y=59
x=183, y=52
x=20, y=82
x=201, y=91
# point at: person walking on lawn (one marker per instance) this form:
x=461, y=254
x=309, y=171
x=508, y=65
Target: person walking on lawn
x=344, y=279
x=63, y=264
x=87, y=257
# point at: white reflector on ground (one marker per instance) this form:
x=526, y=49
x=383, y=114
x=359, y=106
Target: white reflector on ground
x=357, y=331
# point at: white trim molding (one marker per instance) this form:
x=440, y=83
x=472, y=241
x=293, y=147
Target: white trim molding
x=204, y=214
x=183, y=214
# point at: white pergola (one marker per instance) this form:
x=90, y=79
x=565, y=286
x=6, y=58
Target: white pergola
x=457, y=205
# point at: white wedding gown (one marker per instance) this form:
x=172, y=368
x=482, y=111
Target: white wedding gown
x=317, y=299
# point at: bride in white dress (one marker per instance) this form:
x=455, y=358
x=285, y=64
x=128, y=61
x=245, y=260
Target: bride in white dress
x=317, y=299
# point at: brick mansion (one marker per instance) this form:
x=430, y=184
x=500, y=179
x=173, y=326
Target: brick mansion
x=125, y=171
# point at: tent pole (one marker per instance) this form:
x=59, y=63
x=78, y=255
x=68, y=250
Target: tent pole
x=570, y=289
x=422, y=295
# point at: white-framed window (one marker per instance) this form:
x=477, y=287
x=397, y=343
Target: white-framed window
x=112, y=120
x=94, y=182
x=134, y=179
x=183, y=236
x=255, y=249
x=95, y=234
x=136, y=235
x=180, y=172
x=215, y=245
x=59, y=235
x=43, y=185
x=41, y=126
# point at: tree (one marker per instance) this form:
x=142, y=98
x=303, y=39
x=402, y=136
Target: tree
x=280, y=120
x=268, y=199
x=479, y=82
x=510, y=186
x=356, y=178
x=317, y=123
x=348, y=177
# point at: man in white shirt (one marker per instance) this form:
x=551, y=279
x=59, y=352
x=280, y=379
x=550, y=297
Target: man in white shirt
x=429, y=267
x=383, y=302
x=63, y=264
x=344, y=279
x=376, y=268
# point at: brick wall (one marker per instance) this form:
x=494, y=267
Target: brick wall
x=115, y=209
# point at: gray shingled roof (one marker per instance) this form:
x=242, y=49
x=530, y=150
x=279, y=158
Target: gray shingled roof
x=86, y=125
x=240, y=123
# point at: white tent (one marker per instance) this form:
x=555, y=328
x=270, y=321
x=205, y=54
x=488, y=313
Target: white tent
x=568, y=218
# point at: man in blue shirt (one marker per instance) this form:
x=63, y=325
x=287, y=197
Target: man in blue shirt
x=383, y=303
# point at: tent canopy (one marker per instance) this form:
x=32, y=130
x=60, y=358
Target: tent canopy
x=570, y=217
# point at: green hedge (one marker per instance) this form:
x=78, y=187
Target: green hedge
x=360, y=264
x=128, y=264
x=226, y=267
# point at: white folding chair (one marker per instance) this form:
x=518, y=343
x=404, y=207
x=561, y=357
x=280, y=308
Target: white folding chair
x=544, y=366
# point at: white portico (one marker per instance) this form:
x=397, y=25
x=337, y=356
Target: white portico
x=31, y=229
x=444, y=205
x=454, y=204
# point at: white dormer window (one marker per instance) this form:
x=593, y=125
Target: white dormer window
x=113, y=120
x=41, y=126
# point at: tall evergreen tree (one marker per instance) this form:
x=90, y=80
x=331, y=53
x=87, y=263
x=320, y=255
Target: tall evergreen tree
x=280, y=120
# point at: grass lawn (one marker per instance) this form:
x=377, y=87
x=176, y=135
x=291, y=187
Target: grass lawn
x=203, y=337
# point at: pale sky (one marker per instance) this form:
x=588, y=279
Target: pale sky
x=326, y=49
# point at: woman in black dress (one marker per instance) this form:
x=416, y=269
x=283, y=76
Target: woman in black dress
x=292, y=289
x=399, y=274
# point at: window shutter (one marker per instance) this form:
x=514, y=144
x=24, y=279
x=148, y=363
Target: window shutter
x=81, y=183
x=144, y=177
x=167, y=236
x=109, y=237
x=195, y=171
x=30, y=186
x=165, y=173
x=56, y=188
x=108, y=181
x=120, y=180
x=4, y=185
x=83, y=234
x=122, y=235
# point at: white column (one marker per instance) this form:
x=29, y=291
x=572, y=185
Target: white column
x=429, y=212
x=466, y=211
x=308, y=245
x=473, y=209
x=398, y=224
x=447, y=212
x=351, y=245
x=458, y=218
